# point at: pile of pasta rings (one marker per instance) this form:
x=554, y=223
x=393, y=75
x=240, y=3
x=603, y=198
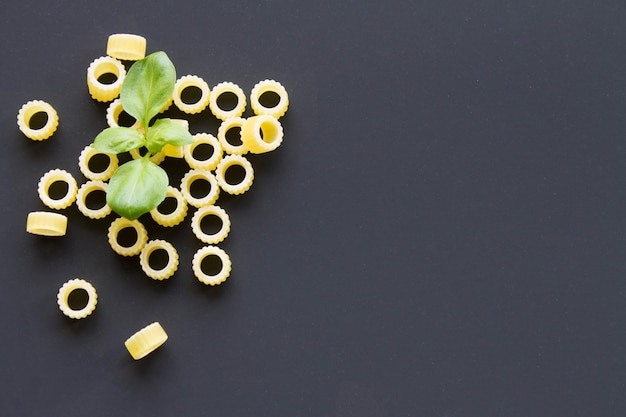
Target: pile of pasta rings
x=259, y=133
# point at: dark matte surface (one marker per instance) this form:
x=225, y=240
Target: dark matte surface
x=440, y=234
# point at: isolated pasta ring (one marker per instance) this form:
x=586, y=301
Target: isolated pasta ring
x=221, y=172
x=45, y=223
x=30, y=109
x=85, y=158
x=269, y=86
x=64, y=294
x=225, y=127
x=194, y=175
x=174, y=217
x=81, y=199
x=210, y=238
x=172, y=259
x=100, y=66
x=203, y=140
x=187, y=81
x=146, y=340
x=222, y=88
x=126, y=46
x=210, y=279
x=122, y=223
x=261, y=134
x=51, y=177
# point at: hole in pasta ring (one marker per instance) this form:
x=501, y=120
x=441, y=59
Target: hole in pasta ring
x=194, y=154
x=224, y=88
x=33, y=109
x=184, y=97
x=205, y=214
x=166, y=217
x=105, y=66
x=52, y=177
x=229, y=136
x=97, y=165
x=206, y=273
x=269, y=97
x=117, y=226
x=236, y=162
x=262, y=134
x=199, y=175
x=149, y=264
x=87, y=191
x=73, y=288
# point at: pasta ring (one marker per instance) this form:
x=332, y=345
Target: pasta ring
x=64, y=295
x=191, y=81
x=100, y=66
x=225, y=126
x=262, y=134
x=45, y=223
x=121, y=223
x=216, y=237
x=227, y=87
x=83, y=164
x=145, y=340
x=203, y=277
x=265, y=86
x=203, y=164
x=172, y=262
x=126, y=46
x=176, y=216
x=196, y=174
x=26, y=113
x=81, y=199
x=114, y=111
x=227, y=162
x=49, y=178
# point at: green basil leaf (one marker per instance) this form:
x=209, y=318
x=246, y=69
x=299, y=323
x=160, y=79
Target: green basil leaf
x=165, y=131
x=148, y=87
x=118, y=139
x=137, y=187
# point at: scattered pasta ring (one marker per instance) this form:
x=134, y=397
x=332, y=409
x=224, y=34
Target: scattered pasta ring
x=225, y=126
x=64, y=294
x=157, y=158
x=45, y=223
x=272, y=86
x=262, y=134
x=203, y=164
x=203, y=212
x=99, y=67
x=202, y=276
x=226, y=163
x=227, y=87
x=196, y=174
x=172, y=261
x=191, y=81
x=114, y=111
x=81, y=199
x=126, y=47
x=85, y=157
x=146, y=340
x=122, y=223
x=177, y=215
x=51, y=177
x=26, y=113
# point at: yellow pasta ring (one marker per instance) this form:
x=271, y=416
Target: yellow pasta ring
x=225, y=164
x=64, y=294
x=146, y=340
x=100, y=66
x=83, y=164
x=261, y=134
x=26, y=113
x=177, y=215
x=81, y=199
x=114, y=111
x=208, y=164
x=196, y=174
x=126, y=46
x=227, y=125
x=222, y=88
x=172, y=261
x=191, y=81
x=265, y=86
x=51, y=177
x=210, y=279
x=210, y=238
x=121, y=223
x=46, y=223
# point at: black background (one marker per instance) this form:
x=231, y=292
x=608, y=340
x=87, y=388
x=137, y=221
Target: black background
x=441, y=232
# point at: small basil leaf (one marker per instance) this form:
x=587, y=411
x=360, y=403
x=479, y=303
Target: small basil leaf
x=137, y=187
x=118, y=139
x=166, y=131
x=148, y=87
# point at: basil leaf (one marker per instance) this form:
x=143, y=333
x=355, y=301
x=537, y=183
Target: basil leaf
x=118, y=139
x=165, y=131
x=137, y=187
x=148, y=87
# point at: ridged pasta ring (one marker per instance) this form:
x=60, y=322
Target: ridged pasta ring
x=269, y=86
x=226, y=164
x=51, y=177
x=187, y=81
x=30, y=109
x=224, y=88
x=65, y=292
x=214, y=211
x=141, y=236
x=145, y=340
x=100, y=66
x=172, y=259
x=204, y=277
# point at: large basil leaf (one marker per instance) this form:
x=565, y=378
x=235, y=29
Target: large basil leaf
x=117, y=140
x=166, y=131
x=137, y=187
x=148, y=87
